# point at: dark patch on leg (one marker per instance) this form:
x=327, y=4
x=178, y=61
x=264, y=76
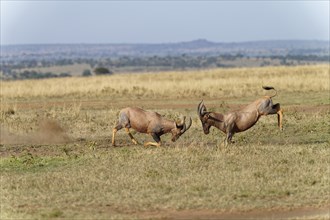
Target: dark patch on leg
x=275, y=108
x=118, y=127
x=155, y=137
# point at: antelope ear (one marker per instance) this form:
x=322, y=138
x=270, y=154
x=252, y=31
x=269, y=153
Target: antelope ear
x=181, y=122
x=177, y=124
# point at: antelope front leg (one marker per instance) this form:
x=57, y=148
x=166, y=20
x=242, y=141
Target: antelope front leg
x=228, y=138
x=225, y=142
x=229, y=133
x=131, y=136
x=156, y=138
x=152, y=144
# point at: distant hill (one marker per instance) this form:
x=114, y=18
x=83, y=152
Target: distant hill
x=199, y=47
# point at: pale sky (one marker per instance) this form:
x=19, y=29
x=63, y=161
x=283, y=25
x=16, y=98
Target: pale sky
x=35, y=22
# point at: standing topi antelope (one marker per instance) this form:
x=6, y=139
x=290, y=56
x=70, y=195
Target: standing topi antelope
x=149, y=122
x=241, y=120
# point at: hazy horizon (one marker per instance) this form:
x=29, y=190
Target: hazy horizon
x=160, y=22
x=156, y=43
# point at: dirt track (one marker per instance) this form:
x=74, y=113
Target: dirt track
x=109, y=103
x=297, y=213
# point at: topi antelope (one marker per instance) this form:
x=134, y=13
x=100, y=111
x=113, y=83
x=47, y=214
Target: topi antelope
x=149, y=122
x=241, y=120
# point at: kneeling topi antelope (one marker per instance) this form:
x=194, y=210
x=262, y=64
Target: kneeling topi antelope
x=150, y=123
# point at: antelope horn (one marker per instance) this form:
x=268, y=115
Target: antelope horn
x=201, y=110
x=186, y=127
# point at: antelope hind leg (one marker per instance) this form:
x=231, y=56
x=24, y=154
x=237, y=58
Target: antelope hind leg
x=280, y=118
x=131, y=136
x=276, y=109
x=114, y=131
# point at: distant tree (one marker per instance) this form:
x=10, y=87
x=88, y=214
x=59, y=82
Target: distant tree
x=102, y=71
x=65, y=75
x=86, y=73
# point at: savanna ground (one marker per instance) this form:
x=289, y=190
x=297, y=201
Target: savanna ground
x=57, y=160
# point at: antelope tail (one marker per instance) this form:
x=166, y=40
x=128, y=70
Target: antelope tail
x=270, y=88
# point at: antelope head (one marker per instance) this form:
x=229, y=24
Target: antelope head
x=180, y=128
x=204, y=117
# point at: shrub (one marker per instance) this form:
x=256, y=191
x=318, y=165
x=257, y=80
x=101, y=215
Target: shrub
x=102, y=71
x=86, y=73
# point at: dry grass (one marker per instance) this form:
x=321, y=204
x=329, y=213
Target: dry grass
x=204, y=83
x=87, y=178
x=103, y=183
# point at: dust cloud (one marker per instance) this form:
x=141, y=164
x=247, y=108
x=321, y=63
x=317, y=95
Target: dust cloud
x=48, y=132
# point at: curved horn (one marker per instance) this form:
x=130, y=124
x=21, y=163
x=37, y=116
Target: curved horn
x=186, y=127
x=201, y=109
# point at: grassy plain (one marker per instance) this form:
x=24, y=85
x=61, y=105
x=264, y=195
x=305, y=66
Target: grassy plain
x=57, y=160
